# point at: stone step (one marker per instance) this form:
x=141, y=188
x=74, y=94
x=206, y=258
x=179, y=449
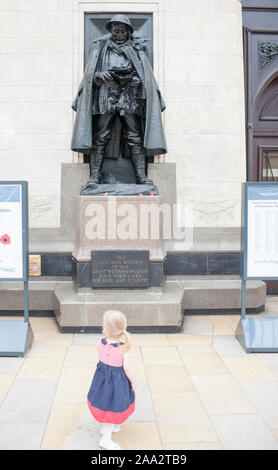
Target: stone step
x=41, y=294
x=205, y=294
x=202, y=294
x=146, y=309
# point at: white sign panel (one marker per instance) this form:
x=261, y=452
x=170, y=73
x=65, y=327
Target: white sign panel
x=262, y=234
x=11, y=240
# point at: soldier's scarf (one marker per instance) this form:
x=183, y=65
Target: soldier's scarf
x=129, y=51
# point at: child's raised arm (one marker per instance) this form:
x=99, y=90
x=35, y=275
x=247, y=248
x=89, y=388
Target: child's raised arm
x=128, y=371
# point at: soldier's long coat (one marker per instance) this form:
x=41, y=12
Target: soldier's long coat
x=154, y=138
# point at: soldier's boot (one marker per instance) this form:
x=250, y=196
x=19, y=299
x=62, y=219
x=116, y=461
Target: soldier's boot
x=138, y=161
x=96, y=162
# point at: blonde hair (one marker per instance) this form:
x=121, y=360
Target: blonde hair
x=114, y=326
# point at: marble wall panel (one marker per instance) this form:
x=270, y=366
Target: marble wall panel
x=199, y=67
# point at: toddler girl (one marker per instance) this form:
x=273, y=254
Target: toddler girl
x=111, y=398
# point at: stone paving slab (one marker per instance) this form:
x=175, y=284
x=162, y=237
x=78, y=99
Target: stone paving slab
x=10, y=365
x=227, y=345
x=244, y=432
x=270, y=360
x=264, y=396
x=63, y=420
x=21, y=436
x=144, y=407
x=197, y=326
x=221, y=394
x=28, y=401
x=84, y=435
x=195, y=390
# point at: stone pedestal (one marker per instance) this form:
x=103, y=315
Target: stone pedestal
x=147, y=310
x=118, y=263
x=126, y=223
x=116, y=223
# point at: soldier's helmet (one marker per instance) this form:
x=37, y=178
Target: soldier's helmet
x=119, y=19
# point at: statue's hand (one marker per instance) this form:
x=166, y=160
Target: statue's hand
x=103, y=76
x=135, y=82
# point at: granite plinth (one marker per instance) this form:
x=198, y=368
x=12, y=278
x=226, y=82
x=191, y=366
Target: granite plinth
x=147, y=309
x=116, y=223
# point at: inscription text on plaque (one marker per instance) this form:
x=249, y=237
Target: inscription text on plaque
x=120, y=268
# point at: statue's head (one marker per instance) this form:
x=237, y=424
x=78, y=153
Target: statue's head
x=120, y=28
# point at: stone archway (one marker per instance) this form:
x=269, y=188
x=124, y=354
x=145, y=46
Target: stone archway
x=265, y=132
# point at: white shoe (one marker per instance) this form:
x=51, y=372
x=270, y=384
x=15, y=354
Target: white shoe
x=116, y=428
x=108, y=444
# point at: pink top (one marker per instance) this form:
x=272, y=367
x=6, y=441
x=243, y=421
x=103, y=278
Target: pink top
x=110, y=354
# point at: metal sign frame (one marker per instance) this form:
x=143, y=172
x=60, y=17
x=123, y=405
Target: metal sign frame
x=24, y=213
x=254, y=334
x=25, y=241
x=245, y=226
x=17, y=335
x=244, y=237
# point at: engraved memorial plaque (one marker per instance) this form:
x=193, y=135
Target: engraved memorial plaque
x=120, y=268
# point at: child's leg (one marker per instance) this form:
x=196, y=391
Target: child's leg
x=116, y=428
x=106, y=441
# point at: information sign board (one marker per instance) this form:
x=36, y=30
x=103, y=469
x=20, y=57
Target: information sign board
x=259, y=260
x=16, y=336
x=13, y=230
x=260, y=231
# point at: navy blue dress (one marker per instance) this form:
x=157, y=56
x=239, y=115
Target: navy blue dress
x=110, y=397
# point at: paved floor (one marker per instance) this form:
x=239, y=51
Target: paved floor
x=195, y=390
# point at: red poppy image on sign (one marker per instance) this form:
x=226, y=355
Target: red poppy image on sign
x=5, y=239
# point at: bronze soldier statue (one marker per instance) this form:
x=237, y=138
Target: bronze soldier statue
x=118, y=97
